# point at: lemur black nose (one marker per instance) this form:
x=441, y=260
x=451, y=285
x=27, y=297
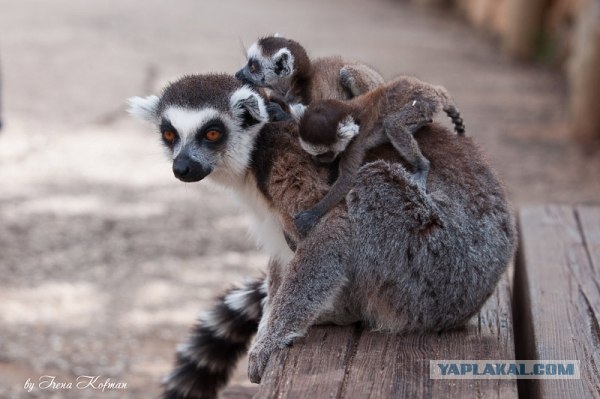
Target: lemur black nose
x=181, y=168
x=241, y=76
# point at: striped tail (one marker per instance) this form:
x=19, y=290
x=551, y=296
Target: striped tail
x=220, y=337
x=459, y=125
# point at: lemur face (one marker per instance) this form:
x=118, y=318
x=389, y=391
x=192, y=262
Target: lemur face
x=326, y=129
x=267, y=67
x=205, y=133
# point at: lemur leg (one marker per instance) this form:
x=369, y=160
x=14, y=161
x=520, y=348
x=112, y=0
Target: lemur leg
x=349, y=164
x=400, y=128
x=314, y=278
x=359, y=79
x=273, y=281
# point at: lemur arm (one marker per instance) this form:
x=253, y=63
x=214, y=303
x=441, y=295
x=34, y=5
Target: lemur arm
x=350, y=162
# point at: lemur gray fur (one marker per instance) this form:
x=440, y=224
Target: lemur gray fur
x=391, y=112
x=283, y=66
x=394, y=256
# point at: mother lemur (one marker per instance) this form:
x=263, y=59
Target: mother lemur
x=394, y=256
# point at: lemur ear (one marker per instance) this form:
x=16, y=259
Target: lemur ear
x=297, y=111
x=277, y=34
x=347, y=128
x=284, y=62
x=248, y=107
x=144, y=108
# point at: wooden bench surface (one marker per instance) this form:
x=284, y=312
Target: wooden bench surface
x=344, y=362
x=557, y=280
x=555, y=298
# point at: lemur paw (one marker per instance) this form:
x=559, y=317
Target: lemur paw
x=258, y=357
x=304, y=221
x=276, y=113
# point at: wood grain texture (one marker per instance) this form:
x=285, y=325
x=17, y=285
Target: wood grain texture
x=238, y=392
x=345, y=362
x=559, y=304
x=388, y=366
x=314, y=367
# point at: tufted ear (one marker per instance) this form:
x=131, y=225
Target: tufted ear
x=277, y=34
x=248, y=107
x=347, y=129
x=144, y=108
x=283, y=62
x=297, y=110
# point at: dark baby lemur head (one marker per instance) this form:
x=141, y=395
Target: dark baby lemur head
x=326, y=129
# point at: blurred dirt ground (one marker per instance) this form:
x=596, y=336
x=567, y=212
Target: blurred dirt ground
x=105, y=258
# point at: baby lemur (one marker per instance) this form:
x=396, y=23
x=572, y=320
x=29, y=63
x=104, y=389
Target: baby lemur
x=392, y=113
x=283, y=66
x=395, y=257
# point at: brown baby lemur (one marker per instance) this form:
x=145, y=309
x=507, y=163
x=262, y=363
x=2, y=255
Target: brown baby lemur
x=392, y=113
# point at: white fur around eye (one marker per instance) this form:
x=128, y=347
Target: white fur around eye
x=144, y=108
x=255, y=51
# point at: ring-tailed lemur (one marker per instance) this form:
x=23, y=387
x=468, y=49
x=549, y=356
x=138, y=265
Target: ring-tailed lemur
x=391, y=112
x=394, y=256
x=283, y=66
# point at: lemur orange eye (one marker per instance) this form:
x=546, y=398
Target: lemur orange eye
x=169, y=136
x=213, y=135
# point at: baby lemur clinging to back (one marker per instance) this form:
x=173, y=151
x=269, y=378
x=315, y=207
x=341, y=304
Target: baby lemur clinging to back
x=392, y=113
x=283, y=66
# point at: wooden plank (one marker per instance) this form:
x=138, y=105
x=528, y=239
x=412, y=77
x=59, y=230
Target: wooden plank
x=238, y=392
x=560, y=297
x=341, y=362
x=589, y=220
x=388, y=366
x=314, y=367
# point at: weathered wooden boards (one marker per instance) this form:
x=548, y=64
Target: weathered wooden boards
x=345, y=362
x=238, y=392
x=557, y=282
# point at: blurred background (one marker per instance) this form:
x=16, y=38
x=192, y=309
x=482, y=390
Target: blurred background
x=106, y=259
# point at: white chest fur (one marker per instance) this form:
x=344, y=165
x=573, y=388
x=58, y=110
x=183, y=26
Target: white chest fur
x=265, y=227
